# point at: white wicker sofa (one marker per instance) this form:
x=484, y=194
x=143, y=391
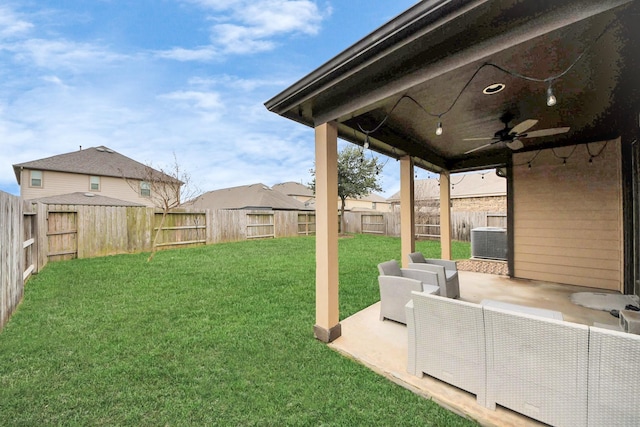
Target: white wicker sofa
x=455, y=349
x=558, y=372
x=614, y=378
x=537, y=366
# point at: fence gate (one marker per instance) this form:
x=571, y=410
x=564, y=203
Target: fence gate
x=62, y=234
x=373, y=224
x=260, y=226
x=306, y=223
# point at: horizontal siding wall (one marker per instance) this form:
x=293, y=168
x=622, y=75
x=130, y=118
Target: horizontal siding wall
x=568, y=217
x=56, y=183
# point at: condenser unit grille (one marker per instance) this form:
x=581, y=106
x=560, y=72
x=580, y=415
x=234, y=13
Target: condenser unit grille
x=489, y=243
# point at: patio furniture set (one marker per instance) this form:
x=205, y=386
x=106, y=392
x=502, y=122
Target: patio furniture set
x=525, y=359
x=432, y=276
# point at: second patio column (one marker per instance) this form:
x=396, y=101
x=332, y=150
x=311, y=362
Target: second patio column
x=445, y=215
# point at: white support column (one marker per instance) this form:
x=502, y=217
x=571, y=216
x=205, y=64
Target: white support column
x=445, y=215
x=327, y=327
x=407, y=215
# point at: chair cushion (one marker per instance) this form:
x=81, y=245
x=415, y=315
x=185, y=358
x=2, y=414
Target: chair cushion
x=417, y=257
x=389, y=268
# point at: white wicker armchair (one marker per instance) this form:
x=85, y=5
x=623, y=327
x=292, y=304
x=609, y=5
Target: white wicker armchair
x=447, y=272
x=396, y=285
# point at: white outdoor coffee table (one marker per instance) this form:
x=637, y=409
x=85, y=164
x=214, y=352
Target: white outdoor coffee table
x=541, y=312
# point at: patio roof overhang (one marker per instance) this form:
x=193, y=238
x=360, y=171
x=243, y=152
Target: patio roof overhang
x=431, y=64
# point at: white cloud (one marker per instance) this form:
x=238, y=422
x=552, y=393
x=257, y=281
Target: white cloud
x=11, y=24
x=236, y=83
x=272, y=17
x=62, y=54
x=201, y=100
x=244, y=27
x=54, y=80
x=204, y=53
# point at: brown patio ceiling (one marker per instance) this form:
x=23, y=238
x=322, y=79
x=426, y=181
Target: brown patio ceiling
x=438, y=57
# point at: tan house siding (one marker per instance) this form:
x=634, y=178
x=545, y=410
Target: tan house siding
x=568, y=218
x=56, y=183
x=355, y=204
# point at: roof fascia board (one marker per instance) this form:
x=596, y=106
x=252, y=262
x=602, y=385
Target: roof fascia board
x=566, y=15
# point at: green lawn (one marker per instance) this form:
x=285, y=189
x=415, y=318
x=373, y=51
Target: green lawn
x=217, y=335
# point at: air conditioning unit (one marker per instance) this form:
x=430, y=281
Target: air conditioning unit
x=489, y=243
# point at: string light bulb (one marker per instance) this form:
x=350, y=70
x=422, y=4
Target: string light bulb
x=439, y=129
x=366, y=143
x=551, y=98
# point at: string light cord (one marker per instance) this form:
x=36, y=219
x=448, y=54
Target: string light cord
x=379, y=167
x=591, y=156
x=410, y=98
x=461, y=179
x=512, y=73
x=530, y=161
x=552, y=78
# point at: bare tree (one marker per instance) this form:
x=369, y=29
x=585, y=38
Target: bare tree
x=166, y=187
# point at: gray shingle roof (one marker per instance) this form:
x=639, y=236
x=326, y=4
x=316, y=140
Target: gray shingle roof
x=255, y=196
x=80, y=198
x=293, y=189
x=101, y=161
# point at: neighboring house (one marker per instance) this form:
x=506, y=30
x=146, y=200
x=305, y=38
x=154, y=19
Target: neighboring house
x=255, y=196
x=371, y=202
x=470, y=192
x=298, y=191
x=96, y=170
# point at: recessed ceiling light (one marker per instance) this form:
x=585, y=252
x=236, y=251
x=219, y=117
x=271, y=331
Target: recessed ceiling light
x=494, y=88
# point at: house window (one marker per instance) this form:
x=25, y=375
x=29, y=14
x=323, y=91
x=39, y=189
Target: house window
x=36, y=179
x=94, y=183
x=145, y=189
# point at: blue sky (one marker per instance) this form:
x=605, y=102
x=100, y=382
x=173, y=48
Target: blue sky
x=150, y=78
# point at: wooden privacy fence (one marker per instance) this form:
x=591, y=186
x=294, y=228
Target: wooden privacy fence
x=78, y=231
x=18, y=252
x=427, y=226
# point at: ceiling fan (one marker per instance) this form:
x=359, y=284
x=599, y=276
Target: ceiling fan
x=511, y=135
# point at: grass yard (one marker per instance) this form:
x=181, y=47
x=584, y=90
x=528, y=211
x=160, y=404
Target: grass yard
x=217, y=335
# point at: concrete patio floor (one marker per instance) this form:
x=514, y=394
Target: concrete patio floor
x=382, y=345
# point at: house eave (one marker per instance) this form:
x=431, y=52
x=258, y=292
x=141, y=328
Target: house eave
x=378, y=43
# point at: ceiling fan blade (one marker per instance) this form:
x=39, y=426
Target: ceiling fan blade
x=489, y=138
x=481, y=147
x=545, y=132
x=516, y=144
x=523, y=126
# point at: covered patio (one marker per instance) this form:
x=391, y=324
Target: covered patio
x=382, y=345
x=546, y=93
